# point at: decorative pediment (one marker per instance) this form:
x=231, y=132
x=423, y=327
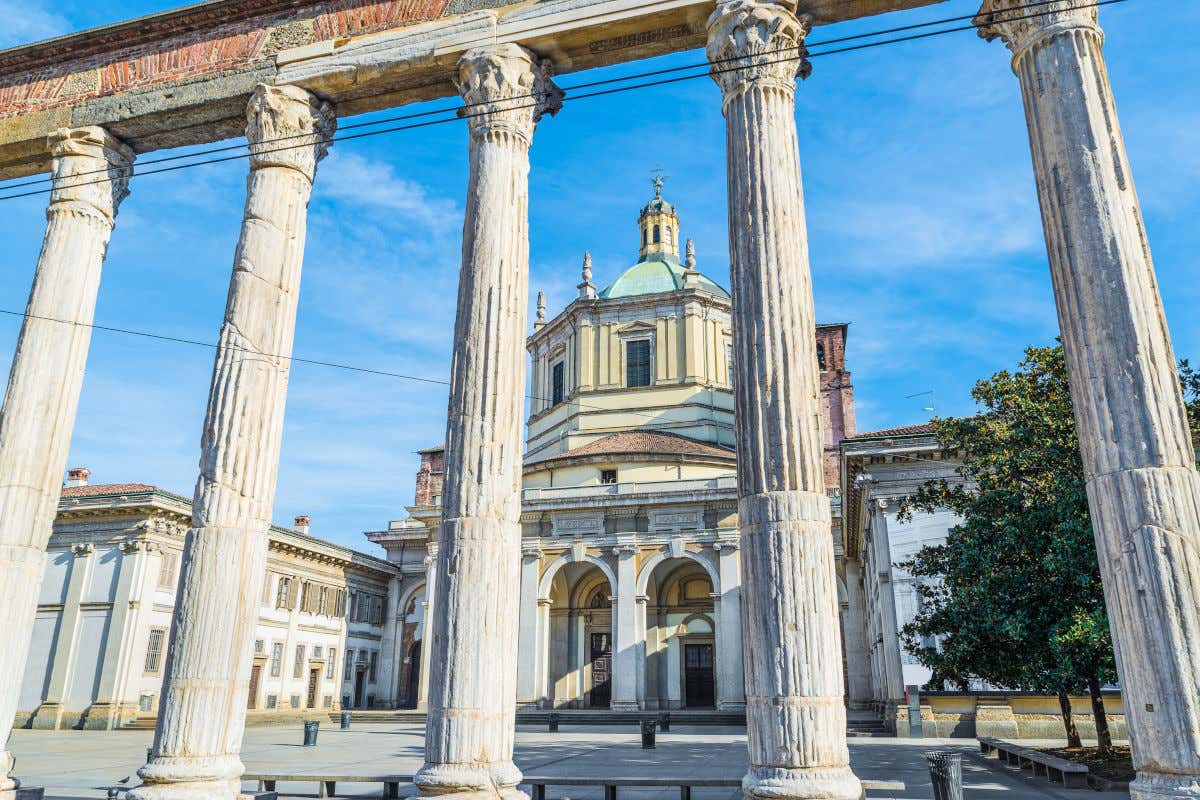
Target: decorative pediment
x=638, y=326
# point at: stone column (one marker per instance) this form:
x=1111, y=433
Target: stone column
x=203, y=709
x=387, y=689
x=472, y=700
x=893, y=667
x=49, y=715
x=624, y=618
x=545, y=690
x=796, y=722
x=91, y=171
x=529, y=645
x=427, y=627
x=858, y=657
x=731, y=674
x=1143, y=488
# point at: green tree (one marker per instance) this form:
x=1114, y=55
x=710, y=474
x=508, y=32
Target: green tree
x=1014, y=596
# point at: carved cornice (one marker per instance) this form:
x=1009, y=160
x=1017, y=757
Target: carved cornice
x=90, y=167
x=506, y=87
x=299, y=118
x=1021, y=27
x=759, y=43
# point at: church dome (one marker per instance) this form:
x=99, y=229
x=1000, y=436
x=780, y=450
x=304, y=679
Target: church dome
x=658, y=268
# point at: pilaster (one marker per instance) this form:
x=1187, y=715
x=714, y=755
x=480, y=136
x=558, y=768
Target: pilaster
x=731, y=676
x=626, y=646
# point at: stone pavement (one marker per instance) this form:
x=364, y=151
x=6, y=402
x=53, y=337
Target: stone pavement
x=83, y=764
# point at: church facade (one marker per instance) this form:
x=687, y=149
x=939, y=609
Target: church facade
x=630, y=573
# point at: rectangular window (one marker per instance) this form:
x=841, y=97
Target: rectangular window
x=637, y=363
x=272, y=700
x=295, y=701
x=374, y=664
x=276, y=659
x=281, y=592
x=306, y=596
x=154, y=649
x=317, y=651
x=166, y=569
x=331, y=664
x=349, y=664
x=298, y=668
x=608, y=476
x=729, y=364
x=146, y=703
x=327, y=702
x=557, y=384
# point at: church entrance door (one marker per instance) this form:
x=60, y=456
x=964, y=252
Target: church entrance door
x=698, y=676
x=601, y=692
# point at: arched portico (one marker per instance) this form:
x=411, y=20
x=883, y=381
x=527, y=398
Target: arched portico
x=577, y=647
x=411, y=635
x=680, y=633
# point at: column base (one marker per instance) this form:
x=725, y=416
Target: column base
x=818, y=783
x=1163, y=786
x=23, y=793
x=193, y=778
x=47, y=717
x=469, y=782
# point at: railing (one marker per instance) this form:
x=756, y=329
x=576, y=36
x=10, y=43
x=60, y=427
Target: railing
x=643, y=487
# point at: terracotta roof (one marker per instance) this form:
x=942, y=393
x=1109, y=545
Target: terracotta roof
x=95, y=489
x=642, y=441
x=903, y=430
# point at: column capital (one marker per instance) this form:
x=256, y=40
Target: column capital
x=1021, y=28
x=506, y=87
x=753, y=42
x=287, y=126
x=89, y=166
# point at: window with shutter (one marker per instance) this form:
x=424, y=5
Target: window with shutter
x=154, y=649
x=637, y=362
x=557, y=384
x=281, y=592
x=298, y=667
x=293, y=593
x=349, y=664
x=166, y=570
x=374, y=664
x=276, y=659
x=331, y=664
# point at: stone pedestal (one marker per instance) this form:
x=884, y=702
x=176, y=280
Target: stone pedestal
x=91, y=171
x=796, y=722
x=1143, y=488
x=473, y=676
x=203, y=708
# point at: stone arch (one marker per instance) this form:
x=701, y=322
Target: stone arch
x=561, y=561
x=643, y=580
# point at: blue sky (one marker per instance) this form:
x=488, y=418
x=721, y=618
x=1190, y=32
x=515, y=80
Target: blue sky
x=922, y=217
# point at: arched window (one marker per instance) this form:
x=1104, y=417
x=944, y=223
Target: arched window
x=669, y=239
x=657, y=235
x=645, y=236
x=821, y=357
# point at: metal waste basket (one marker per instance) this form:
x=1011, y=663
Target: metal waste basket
x=945, y=770
x=310, y=732
x=553, y=724
x=345, y=720
x=648, y=729
x=664, y=722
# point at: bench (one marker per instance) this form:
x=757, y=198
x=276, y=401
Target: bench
x=327, y=784
x=1052, y=768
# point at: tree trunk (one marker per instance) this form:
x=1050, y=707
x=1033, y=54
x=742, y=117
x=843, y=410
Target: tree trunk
x=1103, y=737
x=1064, y=704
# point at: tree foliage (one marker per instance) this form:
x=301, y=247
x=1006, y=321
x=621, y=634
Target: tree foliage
x=1014, y=596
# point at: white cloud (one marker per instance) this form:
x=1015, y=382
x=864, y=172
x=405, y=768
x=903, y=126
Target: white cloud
x=27, y=22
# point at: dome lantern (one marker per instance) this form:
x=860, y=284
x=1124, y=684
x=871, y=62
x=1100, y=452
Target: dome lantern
x=658, y=225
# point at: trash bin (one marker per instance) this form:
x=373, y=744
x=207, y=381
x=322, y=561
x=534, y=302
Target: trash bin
x=945, y=770
x=664, y=722
x=310, y=732
x=553, y=724
x=345, y=720
x=648, y=728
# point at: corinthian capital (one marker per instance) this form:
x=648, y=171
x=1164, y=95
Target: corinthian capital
x=287, y=126
x=506, y=87
x=753, y=42
x=1021, y=26
x=90, y=166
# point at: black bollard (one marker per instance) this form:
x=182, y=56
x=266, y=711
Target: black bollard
x=310, y=732
x=648, y=726
x=345, y=720
x=945, y=770
x=553, y=723
x=664, y=721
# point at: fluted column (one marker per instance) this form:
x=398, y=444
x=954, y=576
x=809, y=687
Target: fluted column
x=472, y=699
x=203, y=709
x=91, y=170
x=796, y=723
x=1143, y=489
x=625, y=656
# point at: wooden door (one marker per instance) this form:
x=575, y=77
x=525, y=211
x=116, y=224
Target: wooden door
x=255, y=677
x=601, y=651
x=314, y=675
x=360, y=679
x=698, y=675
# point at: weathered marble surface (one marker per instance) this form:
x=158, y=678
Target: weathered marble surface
x=91, y=172
x=1143, y=488
x=203, y=707
x=796, y=722
x=472, y=696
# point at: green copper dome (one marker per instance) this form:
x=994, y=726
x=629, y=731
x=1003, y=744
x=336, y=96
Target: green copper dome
x=658, y=272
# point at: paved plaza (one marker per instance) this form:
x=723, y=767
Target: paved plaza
x=83, y=764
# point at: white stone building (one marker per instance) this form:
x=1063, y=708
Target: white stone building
x=104, y=614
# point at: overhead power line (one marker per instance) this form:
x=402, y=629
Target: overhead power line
x=458, y=111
